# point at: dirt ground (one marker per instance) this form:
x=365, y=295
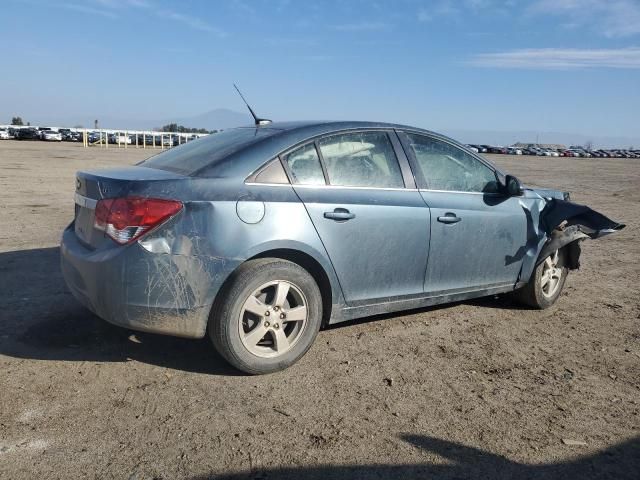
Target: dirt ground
x=480, y=389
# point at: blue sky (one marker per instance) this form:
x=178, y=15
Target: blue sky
x=504, y=65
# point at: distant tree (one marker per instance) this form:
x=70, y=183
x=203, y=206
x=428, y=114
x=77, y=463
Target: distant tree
x=78, y=126
x=174, y=127
x=17, y=121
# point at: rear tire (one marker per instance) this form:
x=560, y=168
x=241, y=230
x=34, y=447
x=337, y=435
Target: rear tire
x=546, y=283
x=267, y=316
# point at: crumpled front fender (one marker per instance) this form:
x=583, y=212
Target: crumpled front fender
x=592, y=223
x=555, y=223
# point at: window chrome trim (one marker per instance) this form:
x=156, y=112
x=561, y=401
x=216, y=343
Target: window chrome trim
x=258, y=184
x=332, y=187
x=85, y=202
x=428, y=190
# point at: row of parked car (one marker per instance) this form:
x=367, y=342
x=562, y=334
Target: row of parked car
x=158, y=139
x=44, y=133
x=572, y=151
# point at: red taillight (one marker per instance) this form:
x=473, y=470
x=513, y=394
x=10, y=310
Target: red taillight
x=125, y=219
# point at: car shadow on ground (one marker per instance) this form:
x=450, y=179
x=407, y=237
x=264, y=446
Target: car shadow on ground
x=41, y=320
x=501, y=302
x=619, y=462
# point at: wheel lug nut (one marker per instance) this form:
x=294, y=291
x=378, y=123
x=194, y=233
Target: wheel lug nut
x=276, y=308
x=283, y=316
x=266, y=324
x=267, y=313
x=276, y=325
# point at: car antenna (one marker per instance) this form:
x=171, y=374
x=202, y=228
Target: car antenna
x=258, y=121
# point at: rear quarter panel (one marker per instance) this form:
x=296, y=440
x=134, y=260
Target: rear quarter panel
x=211, y=229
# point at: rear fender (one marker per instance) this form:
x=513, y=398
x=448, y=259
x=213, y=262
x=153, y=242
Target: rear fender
x=295, y=246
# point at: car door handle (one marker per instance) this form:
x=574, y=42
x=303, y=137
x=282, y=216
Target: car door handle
x=449, y=217
x=340, y=215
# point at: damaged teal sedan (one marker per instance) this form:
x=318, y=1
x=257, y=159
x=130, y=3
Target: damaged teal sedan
x=259, y=236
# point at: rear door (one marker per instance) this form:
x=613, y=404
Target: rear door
x=478, y=235
x=358, y=190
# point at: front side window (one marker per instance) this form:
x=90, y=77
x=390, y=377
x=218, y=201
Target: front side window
x=447, y=167
x=304, y=165
x=361, y=159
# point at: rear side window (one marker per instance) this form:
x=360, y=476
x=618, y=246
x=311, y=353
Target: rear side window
x=361, y=159
x=272, y=173
x=447, y=167
x=187, y=159
x=304, y=165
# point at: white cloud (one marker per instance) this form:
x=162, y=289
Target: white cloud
x=192, y=22
x=424, y=15
x=243, y=7
x=111, y=9
x=611, y=18
x=362, y=27
x=116, y=4
x=560, y=59
x=89, y=10
x=442, y=8
x=455, y=9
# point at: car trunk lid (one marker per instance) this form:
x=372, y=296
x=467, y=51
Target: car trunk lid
x=95, y=185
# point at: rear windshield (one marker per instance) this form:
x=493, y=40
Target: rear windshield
x=187, y=159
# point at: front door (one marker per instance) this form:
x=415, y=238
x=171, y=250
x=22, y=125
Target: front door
x=478, y=234
x=375, y=231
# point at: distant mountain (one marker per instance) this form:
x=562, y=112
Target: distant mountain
x=219, y=118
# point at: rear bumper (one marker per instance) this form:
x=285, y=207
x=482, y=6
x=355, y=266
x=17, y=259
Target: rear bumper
x=133, y=288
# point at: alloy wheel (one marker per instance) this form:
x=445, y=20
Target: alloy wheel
x=273, y=318
x=551, y=275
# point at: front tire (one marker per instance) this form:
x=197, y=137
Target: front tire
x=546, y=283
x=267, y=316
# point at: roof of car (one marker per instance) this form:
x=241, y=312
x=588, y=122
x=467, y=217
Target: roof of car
x=284, y=135
x=330, y=125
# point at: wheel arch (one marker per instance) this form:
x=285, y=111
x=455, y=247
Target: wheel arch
x=320, y=269
x=315, y=269
x=568, y=239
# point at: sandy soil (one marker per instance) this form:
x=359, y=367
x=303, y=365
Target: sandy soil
x=480, y=389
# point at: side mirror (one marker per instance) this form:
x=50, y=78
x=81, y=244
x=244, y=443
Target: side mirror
x=513, y=186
